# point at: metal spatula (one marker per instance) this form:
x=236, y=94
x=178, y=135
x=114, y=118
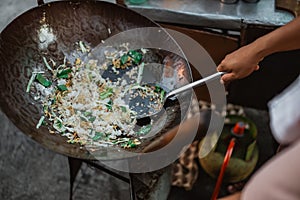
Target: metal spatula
x=141, y=105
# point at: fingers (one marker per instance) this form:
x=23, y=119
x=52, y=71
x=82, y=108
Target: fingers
x=235, y=72
x=226, y=78
x=221, y=68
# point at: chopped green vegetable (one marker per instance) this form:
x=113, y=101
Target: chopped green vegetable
x=124, y=59
x=129, y=144
x=107, y=93
x=144, y=130
x=136, y=56
x=64, y=73
x=121, y=140
x=98, y=135
x=58, y=125
x=162, y=95
x=42, y=80
x=62, y=88
x=45, y=108
x=83, y=118
x=47, y=64
x=87, y=113
x=40, y=122
x=62, y=99
x=92, y=119
x=71, y=141
x=53, y=101
x=123, y=108
x=87, y=116
x=158, y=89
x=33, y=75
x=132, y=145
x=109, y=105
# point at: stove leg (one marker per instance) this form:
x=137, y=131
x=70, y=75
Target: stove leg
x=74, y=166
x=131, y=187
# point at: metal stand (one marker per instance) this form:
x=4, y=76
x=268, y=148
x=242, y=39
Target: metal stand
x=75, y=164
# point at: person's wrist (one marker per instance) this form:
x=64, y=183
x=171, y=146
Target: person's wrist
x=265, y=46
x=260, y=49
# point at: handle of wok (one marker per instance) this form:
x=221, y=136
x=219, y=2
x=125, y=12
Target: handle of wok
x=196, y=83
x=120, y=2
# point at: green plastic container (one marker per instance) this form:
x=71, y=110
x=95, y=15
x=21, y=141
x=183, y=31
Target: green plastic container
x=244, y=157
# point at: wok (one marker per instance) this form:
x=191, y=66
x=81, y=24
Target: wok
x=50, y=30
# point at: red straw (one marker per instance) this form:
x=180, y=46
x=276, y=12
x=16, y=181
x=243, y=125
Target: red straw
x=223, y=168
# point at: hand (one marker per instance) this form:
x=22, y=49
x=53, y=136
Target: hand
x=240, y=63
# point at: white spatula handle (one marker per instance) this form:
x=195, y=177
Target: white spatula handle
x=196, y=83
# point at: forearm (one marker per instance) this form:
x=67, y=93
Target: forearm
x=284, y=38
x=245, y=60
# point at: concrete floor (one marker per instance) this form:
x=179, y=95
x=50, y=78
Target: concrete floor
x=29, y=171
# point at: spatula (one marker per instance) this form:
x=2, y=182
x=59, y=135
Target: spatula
x=141, y=104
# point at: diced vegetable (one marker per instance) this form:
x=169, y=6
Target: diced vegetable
x=158, y=89
x=93, y=110
x=42, y=80
x=162, y=95
x=98, y=135
x=136, y=56
x=62, y=88
x=87, y=116
x=129, y=144
x=92, y=119
x=33, y=75
x=109, y=105
x=144, y=130
x=45, y=108
x=40, y=122
x=47, y=64
x=84, y=118
x=124, y=59
x=87, y=113
x=107, y=93
x=58, y=125
x=64, y=73
x=72, y=141
x=123, y=108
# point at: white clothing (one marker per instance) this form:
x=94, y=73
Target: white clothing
x=284, y=112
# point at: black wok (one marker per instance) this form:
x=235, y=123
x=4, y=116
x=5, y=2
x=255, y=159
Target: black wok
x=22, y=47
